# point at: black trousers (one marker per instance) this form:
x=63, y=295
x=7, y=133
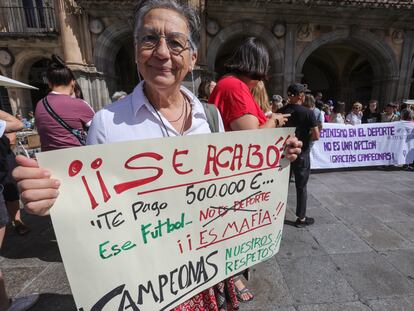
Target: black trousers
x=301, y=170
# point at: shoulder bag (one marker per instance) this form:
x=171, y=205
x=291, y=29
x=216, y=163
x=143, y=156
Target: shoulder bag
x=79, y=134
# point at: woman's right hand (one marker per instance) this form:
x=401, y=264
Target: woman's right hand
x=37, y=190
x=280, y=119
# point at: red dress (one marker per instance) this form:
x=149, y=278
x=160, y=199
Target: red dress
x=234, y=100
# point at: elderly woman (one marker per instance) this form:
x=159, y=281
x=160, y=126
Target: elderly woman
x=166, y=38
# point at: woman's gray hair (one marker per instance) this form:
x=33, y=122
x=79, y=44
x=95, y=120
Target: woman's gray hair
x=193, y=20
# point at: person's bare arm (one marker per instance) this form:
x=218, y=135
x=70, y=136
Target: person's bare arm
x=315, y=133
x=250, y=122
x=246, y=122
x=12, y=124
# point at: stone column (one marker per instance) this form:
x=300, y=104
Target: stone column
x=200, y=7
x=290, y=73
x=69, y=31
x=406, y=67
x=76, y=45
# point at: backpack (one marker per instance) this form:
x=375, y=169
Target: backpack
x=212, y=115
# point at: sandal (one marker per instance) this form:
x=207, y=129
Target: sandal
x=241, y=292
x=20, y=228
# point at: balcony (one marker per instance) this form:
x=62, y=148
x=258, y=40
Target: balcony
x=28, y=21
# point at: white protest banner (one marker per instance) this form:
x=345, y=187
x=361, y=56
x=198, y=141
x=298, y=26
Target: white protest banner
x=146, y=225
x=342, y=145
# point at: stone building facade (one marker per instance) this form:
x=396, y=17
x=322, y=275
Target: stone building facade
x=348, y=49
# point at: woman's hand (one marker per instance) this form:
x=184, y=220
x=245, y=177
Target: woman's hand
x=293, y=148
x=280, y=119
x=38, y=191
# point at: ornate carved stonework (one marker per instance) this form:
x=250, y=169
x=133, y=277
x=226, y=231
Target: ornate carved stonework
x=126, y=6
x=212, y=27
x=279, y=30
x=397, y=36
x=73, y=8
x=395, y=4
x=304, y=32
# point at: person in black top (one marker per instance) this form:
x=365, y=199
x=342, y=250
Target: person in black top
x=371, y=114
x=306, y=130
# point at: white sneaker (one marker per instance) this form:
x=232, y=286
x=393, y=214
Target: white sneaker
x=23, y=303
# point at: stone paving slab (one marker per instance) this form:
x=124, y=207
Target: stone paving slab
x=380, y=237
x=387, y=213
x=373, y=198
x=406, y=208
x=353, y=214
x=372, y=276
x=58, y=282
x=408, y=194
x=338, y=239
x=403, y=260
x=317, y=268
x=246, y=307
x=270, y=287
x=316, y=186
x=312, y=202
x=396, y=304
x=329, y=201
x=298, y=243
x=406, y=229
x=22, y=263
x=18, y=278
x=315, y=279
x=348, y=306
x=322, y=216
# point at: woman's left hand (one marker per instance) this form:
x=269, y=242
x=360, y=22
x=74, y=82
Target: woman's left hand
x=293, y=148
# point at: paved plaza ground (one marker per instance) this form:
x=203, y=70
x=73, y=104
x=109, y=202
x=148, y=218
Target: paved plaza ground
x=358, y=256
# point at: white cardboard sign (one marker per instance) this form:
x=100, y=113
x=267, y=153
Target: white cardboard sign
x=146, y=225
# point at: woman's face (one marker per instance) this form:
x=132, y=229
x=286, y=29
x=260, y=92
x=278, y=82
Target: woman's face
x=211, y=86
x=373, y=106
x=166, y=63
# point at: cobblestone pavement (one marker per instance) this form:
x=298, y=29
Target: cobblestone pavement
x=358, y=256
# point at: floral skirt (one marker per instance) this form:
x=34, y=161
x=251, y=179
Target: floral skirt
x=220, y=297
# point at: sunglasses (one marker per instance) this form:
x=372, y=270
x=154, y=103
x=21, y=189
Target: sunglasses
x=176, y=42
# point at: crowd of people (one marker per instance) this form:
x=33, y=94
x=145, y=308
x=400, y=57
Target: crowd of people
x=359, y=114
x=166, y=37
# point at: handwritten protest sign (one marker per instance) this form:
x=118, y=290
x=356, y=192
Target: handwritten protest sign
x=343, y=145
x=146, y=225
